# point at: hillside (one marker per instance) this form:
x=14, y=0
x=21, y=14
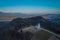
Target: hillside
x=20, y=23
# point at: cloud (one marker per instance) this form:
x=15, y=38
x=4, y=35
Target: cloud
x=30, y=9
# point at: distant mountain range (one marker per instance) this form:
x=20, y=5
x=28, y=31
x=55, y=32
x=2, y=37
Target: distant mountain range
x=11, y=14
x=54, y=18
x=3, y=15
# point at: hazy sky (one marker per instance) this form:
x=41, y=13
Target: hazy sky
x=30, y=6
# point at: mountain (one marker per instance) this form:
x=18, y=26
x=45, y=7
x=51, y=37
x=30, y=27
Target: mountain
x=19, y=23
x=53, y=18
x=3, y=15
x=12, y=27
x=52, y=23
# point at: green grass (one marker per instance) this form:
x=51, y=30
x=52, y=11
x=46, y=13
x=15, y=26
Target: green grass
x=42, y=35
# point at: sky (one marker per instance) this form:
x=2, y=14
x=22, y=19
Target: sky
x=30, y=6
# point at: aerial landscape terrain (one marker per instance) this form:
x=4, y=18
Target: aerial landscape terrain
x=29, y=19
x=18, y=25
